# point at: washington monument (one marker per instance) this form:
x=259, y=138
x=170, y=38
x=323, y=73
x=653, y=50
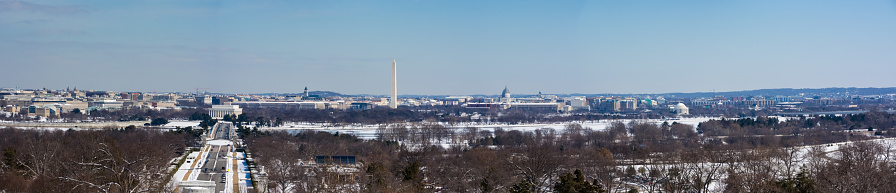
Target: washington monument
x=394, y=102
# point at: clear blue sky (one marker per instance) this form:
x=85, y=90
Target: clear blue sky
x=447, y=47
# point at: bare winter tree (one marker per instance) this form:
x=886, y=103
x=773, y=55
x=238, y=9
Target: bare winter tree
x=538, y=163
x=857, y=167
x=599, y=164
x=138, y=165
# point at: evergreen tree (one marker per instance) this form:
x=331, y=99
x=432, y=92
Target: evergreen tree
x=523, y=187
x=159, y=121
x=801, y=183
x=412, y=174
x=196, y=116
x=576, y=183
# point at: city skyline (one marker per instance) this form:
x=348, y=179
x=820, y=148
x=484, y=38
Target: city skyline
x=447, y=48
x=843, y=91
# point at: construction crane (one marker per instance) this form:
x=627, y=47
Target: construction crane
x=197, y=90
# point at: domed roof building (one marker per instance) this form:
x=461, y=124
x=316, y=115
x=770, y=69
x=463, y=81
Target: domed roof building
x=505, y=93
x=680, y=109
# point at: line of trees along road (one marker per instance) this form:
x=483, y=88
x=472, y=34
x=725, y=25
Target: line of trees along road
x=117, y=161
x=668, y=157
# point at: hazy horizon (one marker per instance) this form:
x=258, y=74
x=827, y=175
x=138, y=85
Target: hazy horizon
x=468, y=94
x=447, y=47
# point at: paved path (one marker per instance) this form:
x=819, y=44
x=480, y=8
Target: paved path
x=212, y=170
x=193, y=164
x=218, y=162
x=236, y=172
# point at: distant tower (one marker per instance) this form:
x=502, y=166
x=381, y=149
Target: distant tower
x=394, y=102
x=306, y=91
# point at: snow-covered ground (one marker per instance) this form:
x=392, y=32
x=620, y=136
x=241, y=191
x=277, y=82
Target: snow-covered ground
x=181, y=124
x=190, y=167
x=369, y=131
x=800, y=158
x=219, y=142
x=241, y=170
x=596, y=125
x=49, y=128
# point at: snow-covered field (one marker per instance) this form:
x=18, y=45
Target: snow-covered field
x=220, y=142
x=369, y=131
x=49, y=128
x=173, y=124
x=801, y=157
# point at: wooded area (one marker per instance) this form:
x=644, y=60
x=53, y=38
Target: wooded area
x=115, y=161
x=737, y=155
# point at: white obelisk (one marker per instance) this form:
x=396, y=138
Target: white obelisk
x=394, y=102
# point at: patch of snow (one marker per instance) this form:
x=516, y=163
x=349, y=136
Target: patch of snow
x=173, y=124
x=368, y=131
x=219, y=142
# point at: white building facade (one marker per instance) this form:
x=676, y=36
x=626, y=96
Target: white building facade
x=218, y=111
x=681, y=109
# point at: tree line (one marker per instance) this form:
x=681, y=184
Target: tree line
x=128, y=160
x=761, y=154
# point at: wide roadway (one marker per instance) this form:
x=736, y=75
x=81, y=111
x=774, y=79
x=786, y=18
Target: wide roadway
x=217, y=163
x=212, y=169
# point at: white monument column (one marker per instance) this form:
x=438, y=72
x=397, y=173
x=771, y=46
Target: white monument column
x=394, y=102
